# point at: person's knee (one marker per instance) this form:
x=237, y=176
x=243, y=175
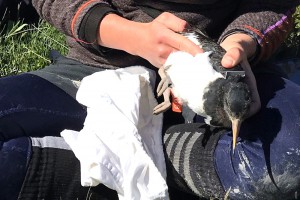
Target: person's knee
x=14, y=159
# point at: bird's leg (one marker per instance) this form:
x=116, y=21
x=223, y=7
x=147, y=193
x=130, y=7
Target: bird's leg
x=165, y=82
x=165, y=105
x=164, y=89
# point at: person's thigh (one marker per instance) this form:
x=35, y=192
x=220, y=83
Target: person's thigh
x=14, y=159
x=32, y=106
x=266, y=161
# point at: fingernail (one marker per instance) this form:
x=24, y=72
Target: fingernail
x=227, y=61
x=188, y=26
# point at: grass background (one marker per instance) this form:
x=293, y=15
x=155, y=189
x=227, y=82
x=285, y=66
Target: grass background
x=25, y=47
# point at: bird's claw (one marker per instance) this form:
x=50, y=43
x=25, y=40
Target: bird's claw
x=162, y=107
x=162, y=86
x=164, y=89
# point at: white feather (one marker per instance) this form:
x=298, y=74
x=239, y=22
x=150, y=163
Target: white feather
x=190, y=76
x=193, y=37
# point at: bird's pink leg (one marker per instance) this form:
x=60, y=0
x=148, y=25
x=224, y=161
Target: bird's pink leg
x=164, y=89
x=166, y=104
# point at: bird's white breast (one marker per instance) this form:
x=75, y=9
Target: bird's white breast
x=190, y=76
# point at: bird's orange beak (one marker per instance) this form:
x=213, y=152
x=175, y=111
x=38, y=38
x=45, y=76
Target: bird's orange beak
x=236, y=124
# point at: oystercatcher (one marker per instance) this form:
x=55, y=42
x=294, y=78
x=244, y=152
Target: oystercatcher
x=202, y=84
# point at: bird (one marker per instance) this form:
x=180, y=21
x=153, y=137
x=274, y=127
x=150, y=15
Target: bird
x=204, y=86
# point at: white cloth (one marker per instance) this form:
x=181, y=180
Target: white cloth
x=120, y=144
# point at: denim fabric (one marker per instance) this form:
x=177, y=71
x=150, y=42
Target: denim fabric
x=266, y=161
x=32, y=106
x=265, y=164
x=290, y=67
x=14, y=158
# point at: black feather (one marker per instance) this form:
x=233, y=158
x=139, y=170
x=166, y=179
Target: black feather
x=209, y=45
x=225, y=98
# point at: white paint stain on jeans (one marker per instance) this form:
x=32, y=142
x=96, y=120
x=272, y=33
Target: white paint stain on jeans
x=287, y=183
x=293, y=151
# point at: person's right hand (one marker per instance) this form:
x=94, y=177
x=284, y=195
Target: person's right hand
x=153, y=41
x=161, y=38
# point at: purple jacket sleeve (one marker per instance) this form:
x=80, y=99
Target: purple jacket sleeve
x=268, y=22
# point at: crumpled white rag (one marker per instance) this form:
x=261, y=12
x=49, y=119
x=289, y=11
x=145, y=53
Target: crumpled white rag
x=120, y=144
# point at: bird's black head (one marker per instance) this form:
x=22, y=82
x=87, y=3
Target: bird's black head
x=237, y=99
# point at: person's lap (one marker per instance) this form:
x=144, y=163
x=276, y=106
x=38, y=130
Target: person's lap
x=14, y=158
x=32, y=106
x=268, y=141
x=266, y=161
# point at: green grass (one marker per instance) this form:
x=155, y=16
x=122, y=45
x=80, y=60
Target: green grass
x=26, y=47
x=292, y=43
x=297, y=21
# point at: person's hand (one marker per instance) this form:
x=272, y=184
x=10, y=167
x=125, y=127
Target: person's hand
x=161, y=38
x=153, y=41
x=239, y=48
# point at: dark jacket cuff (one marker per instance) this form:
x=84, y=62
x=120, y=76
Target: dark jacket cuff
x=88, y=29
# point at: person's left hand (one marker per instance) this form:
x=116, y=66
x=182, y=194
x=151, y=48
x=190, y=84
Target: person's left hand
x=239, y=48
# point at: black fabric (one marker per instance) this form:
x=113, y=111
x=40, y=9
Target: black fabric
x=200, y=2
x=189, y=150
x=89, y=26
x=175, y=5
x=54, y=174
x=65, y=73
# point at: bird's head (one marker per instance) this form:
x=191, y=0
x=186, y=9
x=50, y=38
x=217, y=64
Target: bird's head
x=237, y=99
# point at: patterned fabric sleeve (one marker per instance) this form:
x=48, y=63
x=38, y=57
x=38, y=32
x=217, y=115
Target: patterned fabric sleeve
x=269, y=23
x=78, y=19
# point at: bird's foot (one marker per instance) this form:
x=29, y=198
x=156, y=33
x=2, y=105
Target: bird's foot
x=162, y=107
x=163, y=88
x=163, y=85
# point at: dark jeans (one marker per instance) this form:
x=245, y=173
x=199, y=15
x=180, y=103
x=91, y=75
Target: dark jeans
x=30, y=106
x=266, y=161
x=267, y=154
x=14, y=158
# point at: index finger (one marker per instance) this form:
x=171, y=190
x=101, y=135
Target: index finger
x=171, y=21
x=181, y=43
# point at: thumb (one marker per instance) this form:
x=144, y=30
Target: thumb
x=232, y=57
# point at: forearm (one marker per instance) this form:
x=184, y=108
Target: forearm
x=119, y=33
x=153, y=41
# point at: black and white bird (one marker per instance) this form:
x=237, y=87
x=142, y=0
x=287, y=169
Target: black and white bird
x=202, y=84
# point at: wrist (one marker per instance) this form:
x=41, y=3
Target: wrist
x=117, y=32
x=242, y=41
